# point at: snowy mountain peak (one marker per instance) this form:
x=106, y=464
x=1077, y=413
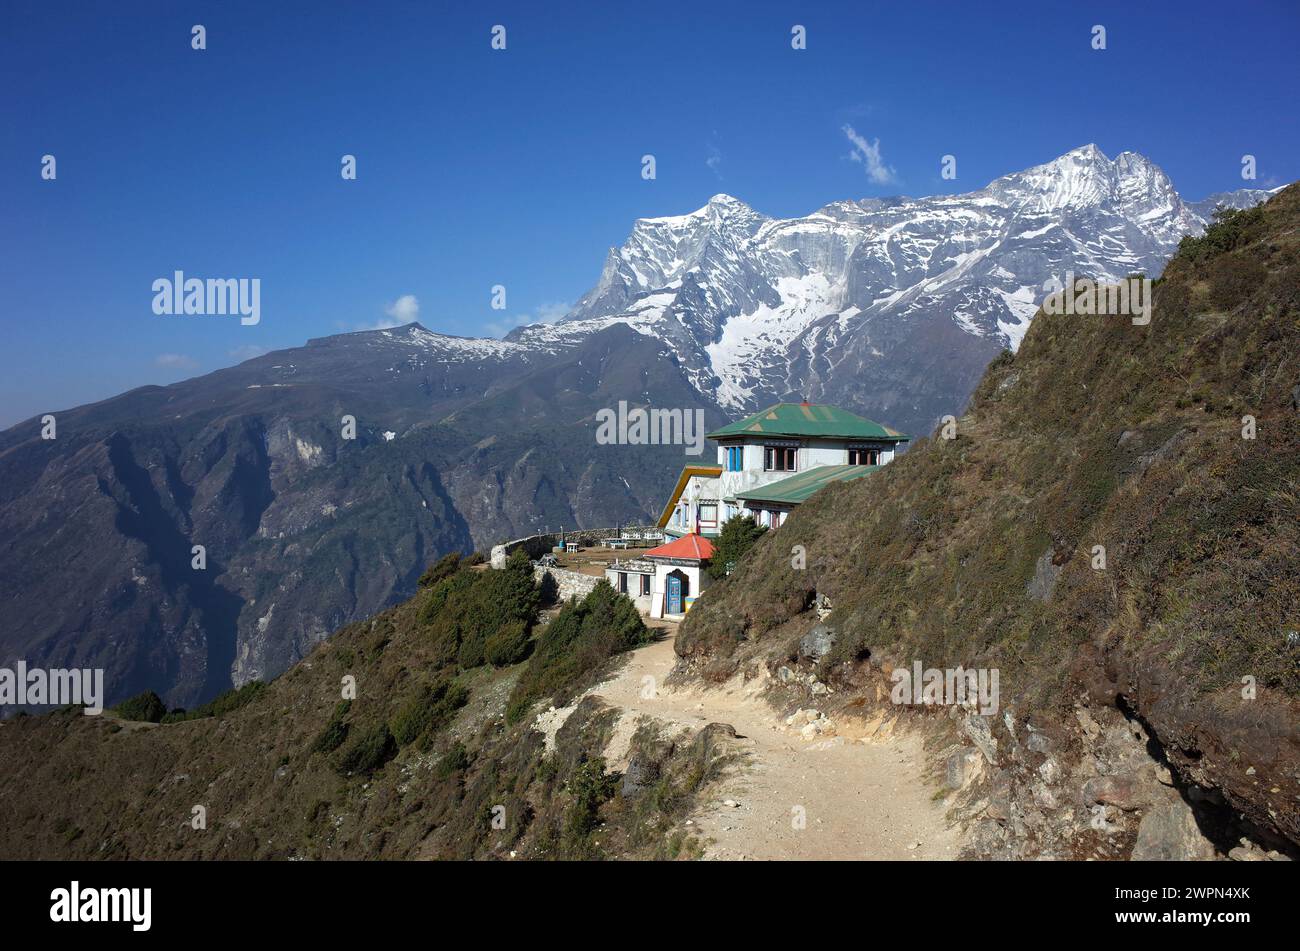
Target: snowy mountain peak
x=844, y=304
x=722, y=199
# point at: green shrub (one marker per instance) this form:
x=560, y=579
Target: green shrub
x=737, y=537
x=581, y=639
x=146, y=707
x=441, y=593
x=510, y=645
x=226, y=703
x=427, y=710
x=456, y=760
x=497, y=598
x=444, y=567
x=335, y=732
x=1231, y=228
x=465, y=609
x=590, y=787
x=368, y=752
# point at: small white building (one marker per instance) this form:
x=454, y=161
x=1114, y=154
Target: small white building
x=679, y=575
x=634, y=578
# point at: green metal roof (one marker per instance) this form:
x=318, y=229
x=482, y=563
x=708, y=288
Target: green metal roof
x=799, y=487
x=808, y=419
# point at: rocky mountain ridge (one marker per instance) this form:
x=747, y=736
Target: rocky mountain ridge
x=891, y=307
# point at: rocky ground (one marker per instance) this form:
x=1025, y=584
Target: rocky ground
x=1008, y=786
x=801, y=785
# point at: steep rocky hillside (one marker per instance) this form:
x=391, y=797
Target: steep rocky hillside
x=419, y=761
x=1149, y=706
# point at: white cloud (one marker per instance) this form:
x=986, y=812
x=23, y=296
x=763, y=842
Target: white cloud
x=714, y=160
x=868, y=153
x=175, y=361
x=547, y=313
x=404, y=310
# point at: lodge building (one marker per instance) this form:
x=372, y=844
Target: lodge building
x=770, y=462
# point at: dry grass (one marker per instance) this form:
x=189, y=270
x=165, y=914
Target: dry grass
x=1097, y=432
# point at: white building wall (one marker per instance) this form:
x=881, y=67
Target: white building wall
x=823, y=454
x=633, y=593
x=695, y=578
x=726, y=486
x=697, y=489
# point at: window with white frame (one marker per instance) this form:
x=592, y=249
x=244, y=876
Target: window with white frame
x=780, y=458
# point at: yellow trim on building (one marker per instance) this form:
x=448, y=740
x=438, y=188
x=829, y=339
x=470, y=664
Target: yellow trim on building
x=688, y=472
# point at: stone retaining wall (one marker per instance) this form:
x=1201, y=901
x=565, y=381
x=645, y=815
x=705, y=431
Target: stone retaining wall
x=567, y=583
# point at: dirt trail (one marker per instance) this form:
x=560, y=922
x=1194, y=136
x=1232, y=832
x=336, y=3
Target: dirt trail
x=863, y=799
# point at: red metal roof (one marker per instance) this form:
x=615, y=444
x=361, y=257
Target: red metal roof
x=688, y=546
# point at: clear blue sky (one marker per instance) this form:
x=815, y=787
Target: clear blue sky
x=522, y=167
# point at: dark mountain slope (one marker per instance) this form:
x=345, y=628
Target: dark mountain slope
x=303, y=529
x=980, y=550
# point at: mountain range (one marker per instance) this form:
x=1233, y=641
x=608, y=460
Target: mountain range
x=890, y=307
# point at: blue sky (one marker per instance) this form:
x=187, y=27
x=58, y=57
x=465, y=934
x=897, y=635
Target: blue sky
x=522, y=167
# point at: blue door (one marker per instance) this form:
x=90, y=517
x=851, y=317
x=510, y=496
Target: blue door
x=674, y=594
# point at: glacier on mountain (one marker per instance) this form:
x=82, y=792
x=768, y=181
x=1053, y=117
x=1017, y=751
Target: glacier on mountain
x=758, y=308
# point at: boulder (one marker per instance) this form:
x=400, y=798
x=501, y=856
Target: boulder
x=1050, y=771
x=999, y=805
x=1043, y=583
x=1038, y=742
x=641, y=773
x=818, y=642
x=1168, y=833
x=823, y=726
x=961, y=767
x=719, y=729
x=978, y=729
x=1124, y=792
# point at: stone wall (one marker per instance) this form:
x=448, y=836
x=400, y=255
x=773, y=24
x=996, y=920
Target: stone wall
x=567, y=583
x=540, y=544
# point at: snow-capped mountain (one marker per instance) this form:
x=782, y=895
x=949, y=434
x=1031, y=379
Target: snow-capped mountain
x=892, y=306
